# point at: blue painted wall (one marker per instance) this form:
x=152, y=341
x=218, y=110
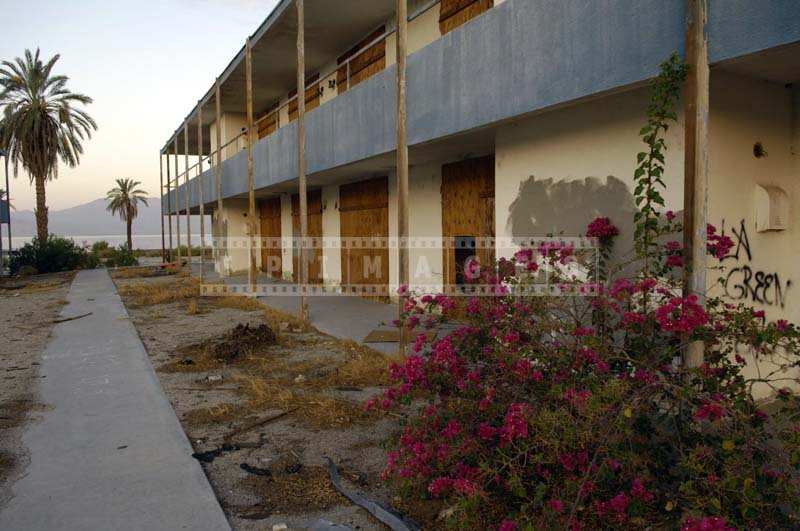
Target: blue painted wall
x=518, y=58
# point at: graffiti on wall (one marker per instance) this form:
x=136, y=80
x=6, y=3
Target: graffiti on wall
x=744, y=281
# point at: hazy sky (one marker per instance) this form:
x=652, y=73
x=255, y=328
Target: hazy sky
x=145, y=63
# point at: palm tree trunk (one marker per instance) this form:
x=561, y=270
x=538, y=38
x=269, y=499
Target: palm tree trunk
x=41, y=209
x=130, y=236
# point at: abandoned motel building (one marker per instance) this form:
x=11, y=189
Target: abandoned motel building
x=523, y=120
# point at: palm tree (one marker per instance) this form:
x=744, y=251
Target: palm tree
x=40, y=123
x=124, y=201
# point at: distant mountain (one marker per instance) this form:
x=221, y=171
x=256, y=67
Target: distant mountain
x=90, y=219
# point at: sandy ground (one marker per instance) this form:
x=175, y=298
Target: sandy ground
x=276, y=406
x=27, y=310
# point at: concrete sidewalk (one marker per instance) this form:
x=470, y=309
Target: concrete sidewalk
x=109, y=453
x=340, y=316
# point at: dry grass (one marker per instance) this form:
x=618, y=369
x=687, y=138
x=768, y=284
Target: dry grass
x=145, y=271
x=192, y=307
x=149, y=294
x=288, y=492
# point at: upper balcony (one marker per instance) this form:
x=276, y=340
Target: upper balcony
x=517, y=58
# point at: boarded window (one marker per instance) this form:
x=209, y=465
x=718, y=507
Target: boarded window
x=271, y=257
x=314, y=231
x=363, y=64
x=364, y=215
x=268, y=122
x=312, y=97
x=455, y=13
x=467, y=215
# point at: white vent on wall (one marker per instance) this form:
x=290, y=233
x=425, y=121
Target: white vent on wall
x=772, y=208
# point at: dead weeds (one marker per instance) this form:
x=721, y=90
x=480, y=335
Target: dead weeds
x=147, y=271
x=295, y=489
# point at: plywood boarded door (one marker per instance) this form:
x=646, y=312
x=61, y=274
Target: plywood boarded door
x=467, y=213
x=364, y=63
x=455, y=13
x=364, y=211
x=314, y=231
x=270, y=212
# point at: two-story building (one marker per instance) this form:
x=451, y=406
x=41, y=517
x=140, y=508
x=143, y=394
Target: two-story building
x=523, y=120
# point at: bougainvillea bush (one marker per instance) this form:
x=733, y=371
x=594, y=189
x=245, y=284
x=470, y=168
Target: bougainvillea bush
x=578, y=412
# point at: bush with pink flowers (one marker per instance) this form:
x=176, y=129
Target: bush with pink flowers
x=577, y=412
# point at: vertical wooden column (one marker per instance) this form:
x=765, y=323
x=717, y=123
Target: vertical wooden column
x=169, y=204
x=200, y=198
x=695, y=192
x=218, y=165
x=301, y=154
x=161, y=206
x=177, y=203
x=402, y=162
x=251, y=196
x=186, y=181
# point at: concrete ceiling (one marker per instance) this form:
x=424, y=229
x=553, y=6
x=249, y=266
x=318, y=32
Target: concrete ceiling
x=332, y=27
x=778, y=65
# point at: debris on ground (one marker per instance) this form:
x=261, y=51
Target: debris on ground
x=256, y=471
x=209, y=456
x=243, y=340
x=387, y=516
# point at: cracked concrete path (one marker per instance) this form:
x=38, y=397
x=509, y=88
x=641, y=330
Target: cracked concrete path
x=109, y=452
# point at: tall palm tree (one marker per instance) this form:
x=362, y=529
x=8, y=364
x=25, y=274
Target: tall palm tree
x=40, y=123
x=124, y=201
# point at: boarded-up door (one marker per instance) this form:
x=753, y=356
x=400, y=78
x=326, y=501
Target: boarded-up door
x=455, y=13
x=364, y=213
x=467, y=214
x=314, y=231
x=364, y=63
x=270, y=211
x=312, y=97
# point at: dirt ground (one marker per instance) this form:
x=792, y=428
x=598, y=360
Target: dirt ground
x=264, y=402
x=27, y=310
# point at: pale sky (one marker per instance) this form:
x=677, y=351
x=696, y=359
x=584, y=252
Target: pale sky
x=145, y=63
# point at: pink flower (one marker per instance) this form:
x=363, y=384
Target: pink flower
x=508, y=525
x=466, y=487
x=439, y=486
x=602, y=228
x=673, y=246
x=710, y=410
x=452, y=429
x=515, y=423
x=682, y=315
x=486, y=431
x=675, y=260
x=557, y=505
x=718, y=245
x=577, y=398
x=670, y=215
x=639, y=491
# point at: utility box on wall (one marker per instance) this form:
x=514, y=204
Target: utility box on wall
x=772, y=208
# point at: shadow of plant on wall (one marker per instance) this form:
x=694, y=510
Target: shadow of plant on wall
x=566, y=207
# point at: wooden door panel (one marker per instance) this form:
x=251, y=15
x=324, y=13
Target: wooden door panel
x=364, y=211
x=455, y=13
x=271, y=252
x=467, y=209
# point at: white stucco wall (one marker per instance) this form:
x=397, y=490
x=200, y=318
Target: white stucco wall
x=237, y=257
x=425, y=222
x=578, y=148
x=286, y=234
x=331, y=229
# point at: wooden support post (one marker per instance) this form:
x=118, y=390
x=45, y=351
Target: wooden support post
x=169, y=204
x=177, y=203
x=186, y=195
x=402, y=164
x=251, y=196
x=218, y=165
x=161, y=206
x=301, y=155
x=695, y=193
x=200, y=199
